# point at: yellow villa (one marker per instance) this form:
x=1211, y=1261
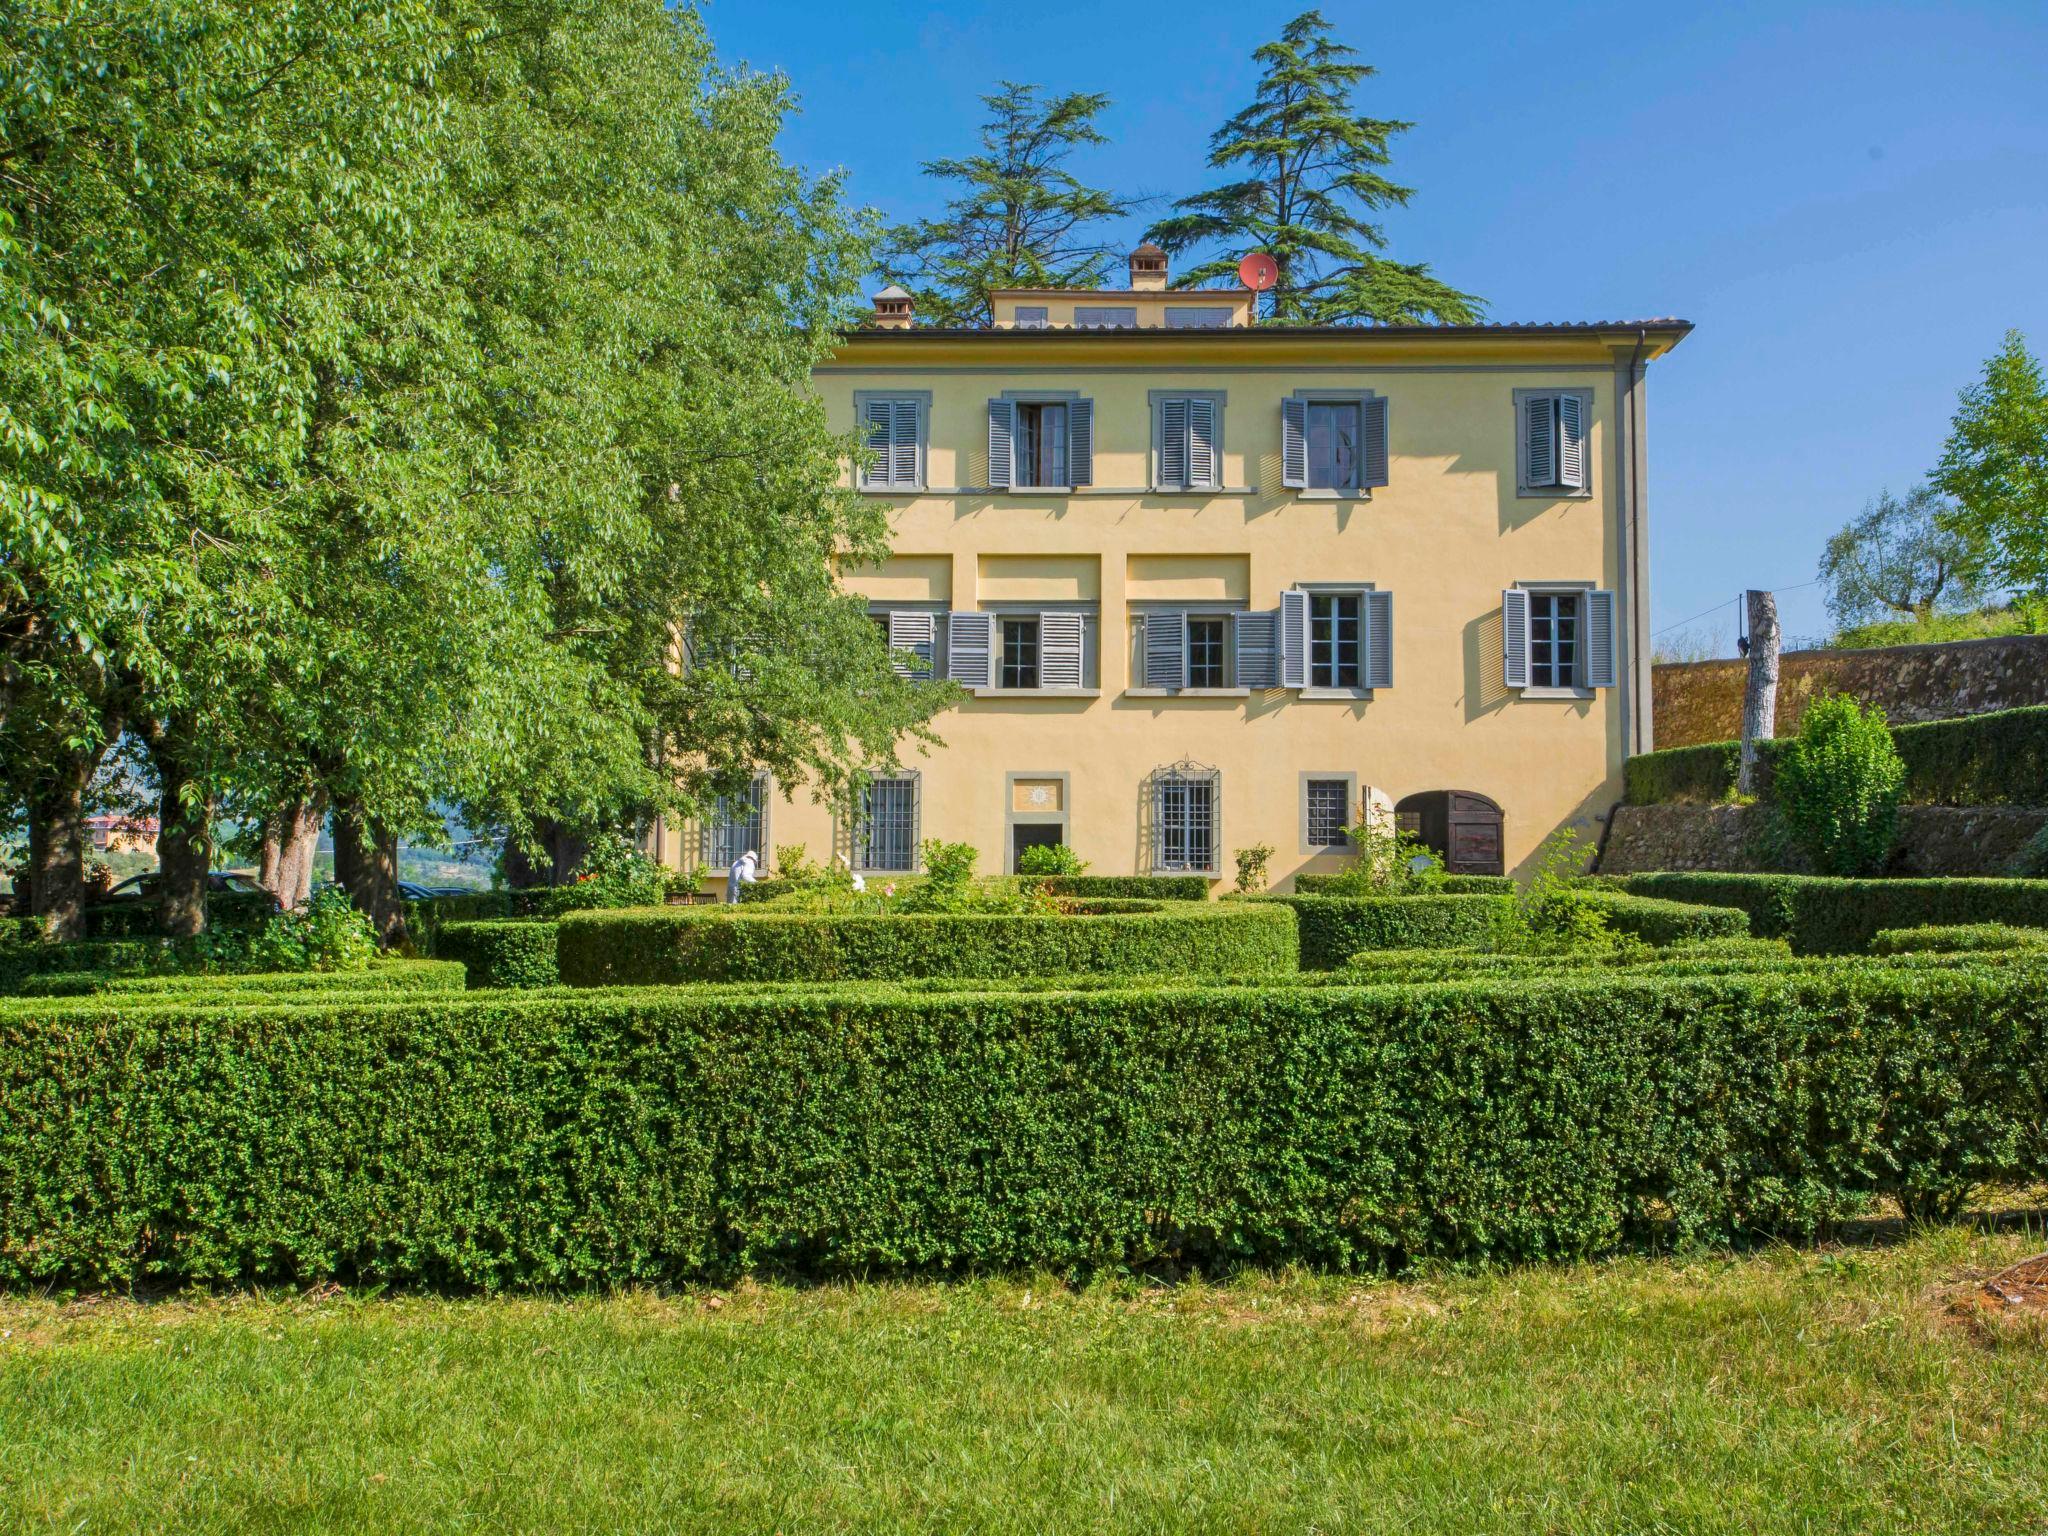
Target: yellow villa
x=1210, y=585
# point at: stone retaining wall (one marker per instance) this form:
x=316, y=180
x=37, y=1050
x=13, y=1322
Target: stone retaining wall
x=1699, y=701
x=1933, y=840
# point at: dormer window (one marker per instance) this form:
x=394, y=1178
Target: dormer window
x=1032, y=317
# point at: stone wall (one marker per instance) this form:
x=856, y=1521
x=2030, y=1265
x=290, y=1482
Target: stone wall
x=1933, y=839
x=1698, y=701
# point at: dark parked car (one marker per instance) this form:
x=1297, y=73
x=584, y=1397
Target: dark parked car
x=219, y=882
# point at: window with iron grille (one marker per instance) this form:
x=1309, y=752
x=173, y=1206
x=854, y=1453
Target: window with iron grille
x=886, y=838
x=1329, y=813
x=1184, y=820
x=733, y=826
x=1553, y=639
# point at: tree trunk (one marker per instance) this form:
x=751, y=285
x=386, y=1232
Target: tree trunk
x=184, y=842
x=1760, y=695
x=366, y=863
x=562, y=854
x=291, y=839
x=57, y=875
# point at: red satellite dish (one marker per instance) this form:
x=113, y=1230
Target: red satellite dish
x=1258, y=271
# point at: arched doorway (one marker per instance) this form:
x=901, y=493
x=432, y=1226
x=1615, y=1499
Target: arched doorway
x=1463, y=828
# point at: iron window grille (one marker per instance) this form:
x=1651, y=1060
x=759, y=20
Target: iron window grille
x=1186, y=800
x=734, y=826
x=1329, y=813
x=885, y=837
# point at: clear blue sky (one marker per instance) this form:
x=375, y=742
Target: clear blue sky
x=1850, y=202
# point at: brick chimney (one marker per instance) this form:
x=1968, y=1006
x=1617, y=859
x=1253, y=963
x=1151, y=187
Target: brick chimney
x=1148, y=268
x=892, y=310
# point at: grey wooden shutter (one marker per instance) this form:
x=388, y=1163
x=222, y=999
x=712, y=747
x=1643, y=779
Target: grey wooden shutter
x=1258, y=651
x=1173, y=445
x=1059, y=650
x=1203, y=465
x=876, y=418
x=1294, y=443
x=913, y=639
x=1002, y=434
x=967, y=648
x=1293, y=639
x=1166, y=637
x=1372, y=456
x=904, y=446
x=1514, y=635
x=1080, y=442
x=1599, y=650
x=1571, y=443
x=1539, y=436
x=1379, y=639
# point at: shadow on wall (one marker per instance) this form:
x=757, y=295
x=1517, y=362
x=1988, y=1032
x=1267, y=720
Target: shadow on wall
x=1485, y=687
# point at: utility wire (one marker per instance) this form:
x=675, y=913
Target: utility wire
x=1734, y=602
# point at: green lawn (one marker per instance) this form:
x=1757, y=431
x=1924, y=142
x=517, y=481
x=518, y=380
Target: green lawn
x=1787, y=1391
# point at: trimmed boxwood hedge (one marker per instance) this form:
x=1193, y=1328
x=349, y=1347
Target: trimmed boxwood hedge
x=501, y=954
x=1824, y=915
x=2000, y=758
x=1449, y=885
x=1956, y=938
x=1137, y=887
x=203, y=988
x=1661, y=922
x=1334, y=928
x=643, y=945
x=112, y=956
x=605, y=1138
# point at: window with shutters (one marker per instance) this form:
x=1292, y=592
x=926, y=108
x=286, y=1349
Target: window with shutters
x=1333, y=443
x=1032, y=317
x=1208, y=651
x=1188, y=317
x=1336, y=639
x=1558, y=640
x=1326, y=812
x=913, y=636
x=1185, y=799
x=1113, y=316
x=1187, y=440
x=893, y=431
x=1020, y=651
x=885, y=836
x=1552, y=452
x=733, y=825
x=1040, y=441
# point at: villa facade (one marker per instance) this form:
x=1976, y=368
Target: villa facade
x=1209, y=584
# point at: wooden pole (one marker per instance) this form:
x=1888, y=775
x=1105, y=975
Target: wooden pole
x=1760, y=695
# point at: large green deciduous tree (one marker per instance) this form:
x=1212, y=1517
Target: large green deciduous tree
x=526, y=399
x=1019, y=219
x=1311, y=172
x=167, y=170
x=1995, y=467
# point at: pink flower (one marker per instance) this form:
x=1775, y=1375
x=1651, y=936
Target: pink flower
x=889, y=889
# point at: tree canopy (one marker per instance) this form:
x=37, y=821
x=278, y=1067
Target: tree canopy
x=1309, y=173
x=408, y=405
x=1019, y=217
x=1898, y=559
x=1995, y=467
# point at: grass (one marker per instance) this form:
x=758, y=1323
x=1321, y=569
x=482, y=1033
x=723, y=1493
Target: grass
x=1783, y=1391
